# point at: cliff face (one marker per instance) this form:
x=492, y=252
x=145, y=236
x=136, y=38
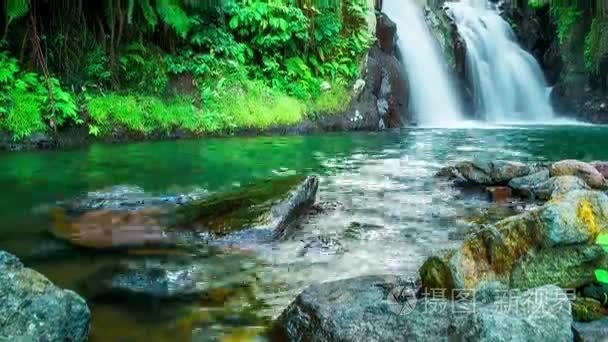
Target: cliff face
x=572, y=47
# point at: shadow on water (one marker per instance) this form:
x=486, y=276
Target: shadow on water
x=386, y=213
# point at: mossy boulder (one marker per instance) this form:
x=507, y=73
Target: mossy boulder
x=587, y=310
x=584, y=171
x=553, y=244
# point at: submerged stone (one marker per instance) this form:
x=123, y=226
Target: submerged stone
x=271, y=207
x=33, y=309
x=554, y=244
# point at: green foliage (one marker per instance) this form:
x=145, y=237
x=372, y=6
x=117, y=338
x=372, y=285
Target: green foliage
x=601, y=275
x=141, y=68
x=566, y=17
x=25, y=103
x=174, y=16
x=253, y=63
x=595, y=44
x=15, y=9
x=335, y=100
x=97, y=69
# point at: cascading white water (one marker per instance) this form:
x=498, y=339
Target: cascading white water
x=432, y=99
x=508, y=83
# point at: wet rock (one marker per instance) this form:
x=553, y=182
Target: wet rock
x=596, y=331
x=386, y=33
x=587, y=310
x=499, y=194
x=585, y=171
x=124, y=197
x=271, y=207
x=375, y=309
x=558, y=186
x=554, y=244
x=158, y=281
x=485, y=172
x=320, y=244
x=175, y=279
x=540, y=314
x=524, y=185
x=104, y=229
x=598, y=292
x=358, y=88
x=601, y=166
x=33, y=309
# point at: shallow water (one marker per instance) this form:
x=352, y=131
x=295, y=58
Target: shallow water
x=387, y=213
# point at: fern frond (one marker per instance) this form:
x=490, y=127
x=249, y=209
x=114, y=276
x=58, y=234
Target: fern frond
x=148, y=13
x=130, y=7
x=16, y=9
x=174, y=16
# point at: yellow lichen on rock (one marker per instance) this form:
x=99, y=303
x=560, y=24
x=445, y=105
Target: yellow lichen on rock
x=588, y=218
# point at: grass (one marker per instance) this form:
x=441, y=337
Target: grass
x=335, y=100
x=242, y=105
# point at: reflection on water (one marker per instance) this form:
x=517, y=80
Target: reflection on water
x=384, y=212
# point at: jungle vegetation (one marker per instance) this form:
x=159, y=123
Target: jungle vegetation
x=155, y=65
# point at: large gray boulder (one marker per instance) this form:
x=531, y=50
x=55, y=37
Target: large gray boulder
x=33, y=309
x=370, y=309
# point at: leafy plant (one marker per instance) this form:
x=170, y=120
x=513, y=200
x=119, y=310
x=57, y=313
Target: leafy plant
x=601, y=275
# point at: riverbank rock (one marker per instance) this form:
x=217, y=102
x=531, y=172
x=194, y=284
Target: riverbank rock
x=525, y=185
x=271, y=206
x=554, y=244
x=587, y=310
x=125, y=197
x=558, y=186
x=486, y=172
x=601, y=166
x=584, y=171
x=33, y=309
x=370, y=309
x=596, y=331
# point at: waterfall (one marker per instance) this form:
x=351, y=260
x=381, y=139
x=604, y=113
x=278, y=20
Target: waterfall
x=432, y=98
x=507, y=82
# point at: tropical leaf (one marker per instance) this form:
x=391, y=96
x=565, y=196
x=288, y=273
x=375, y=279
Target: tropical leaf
x=602, y=240
x=148, y=13
x=601, y=275
x=174, y=16
x=16, y=9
